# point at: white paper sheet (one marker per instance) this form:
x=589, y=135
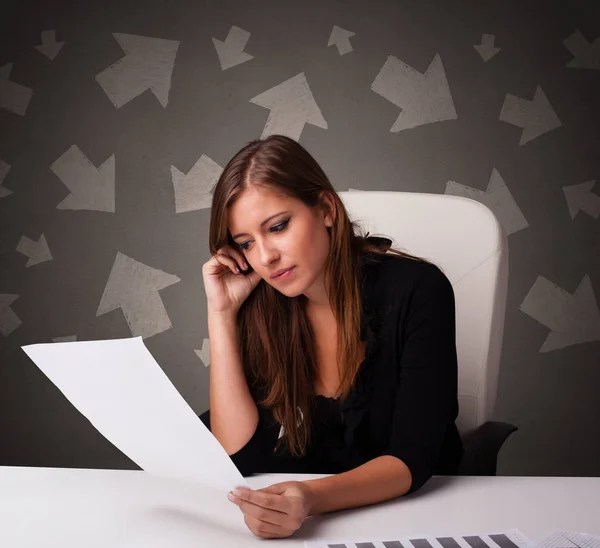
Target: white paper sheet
x=120, y=388
x=512, y=538
x=567, y=539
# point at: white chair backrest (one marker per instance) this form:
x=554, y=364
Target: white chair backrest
x=465, y=239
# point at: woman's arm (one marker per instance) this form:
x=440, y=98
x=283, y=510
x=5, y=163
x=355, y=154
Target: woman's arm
x=382, y=478
x=233, y=413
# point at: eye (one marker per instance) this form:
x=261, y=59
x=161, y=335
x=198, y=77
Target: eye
x=275, y=228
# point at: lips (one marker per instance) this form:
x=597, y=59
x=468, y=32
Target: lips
x=279, y=273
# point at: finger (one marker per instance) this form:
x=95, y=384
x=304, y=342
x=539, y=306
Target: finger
x=226, y=261
x=235, y=255
x=263, y=500
x=263, y=528
x=239, y=256
x=275, y=489
x=263, y=514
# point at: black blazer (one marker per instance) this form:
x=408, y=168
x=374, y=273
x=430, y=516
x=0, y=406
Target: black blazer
x=404, y=402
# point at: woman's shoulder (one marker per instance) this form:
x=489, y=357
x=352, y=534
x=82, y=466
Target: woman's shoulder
x=405, y=272
x=397, y=282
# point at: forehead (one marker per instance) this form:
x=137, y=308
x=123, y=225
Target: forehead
x=254, y=205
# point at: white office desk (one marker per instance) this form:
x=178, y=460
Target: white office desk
x=80, y=508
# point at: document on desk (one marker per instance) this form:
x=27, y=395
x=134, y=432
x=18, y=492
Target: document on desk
x=567, y=539
x=512, y=538
x=120, y=388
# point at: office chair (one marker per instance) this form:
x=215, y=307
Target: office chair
x=464, y=238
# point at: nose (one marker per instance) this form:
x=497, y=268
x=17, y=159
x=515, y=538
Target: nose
x=266, y=253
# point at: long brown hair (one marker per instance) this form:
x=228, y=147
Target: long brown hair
x=276, y=339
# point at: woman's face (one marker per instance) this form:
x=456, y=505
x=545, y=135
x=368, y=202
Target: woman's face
x=276, y=232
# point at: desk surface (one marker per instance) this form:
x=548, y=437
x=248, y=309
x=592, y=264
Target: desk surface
x=122, y=509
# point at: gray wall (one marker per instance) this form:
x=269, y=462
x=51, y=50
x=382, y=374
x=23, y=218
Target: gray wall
x=69, y=250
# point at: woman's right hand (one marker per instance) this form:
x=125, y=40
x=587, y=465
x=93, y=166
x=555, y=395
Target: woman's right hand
x=225, y=289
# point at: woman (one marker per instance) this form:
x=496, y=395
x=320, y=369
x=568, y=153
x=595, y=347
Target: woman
x=345, y=364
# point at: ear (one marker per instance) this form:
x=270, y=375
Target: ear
x=328, y=205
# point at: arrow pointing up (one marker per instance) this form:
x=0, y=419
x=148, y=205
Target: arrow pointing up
x=424, y=98
x=573, y=319
x=133, y=287
x=292, y=105
x=50, y=47
x=231, y=51
x=581, y=198
x=13, y=96
x=585, y=54
x=341, y=38
x=498, y=198
x=148, y=64
x=91, y=188
x=38, y=252
x=535, y=117
x=486, y=49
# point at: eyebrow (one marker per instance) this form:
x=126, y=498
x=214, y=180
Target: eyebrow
x=261, y=224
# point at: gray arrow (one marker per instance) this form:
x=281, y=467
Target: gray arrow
x=424, y=98
x=204, y=354
x=192, y=190
x=66, y=338
x=231, y=51
x=13, y=97
x=9, y=321
x=148, y=64
x=292, y=105
x=486, y=49
x=38, y=252
x=581, y=198
x=91, y=188
x=50, y=47
x=341, y=39
x=133, y=287
x=4, y=169
x=498, y=198
x=536, y=117
x=573, y=319
x=586, y=55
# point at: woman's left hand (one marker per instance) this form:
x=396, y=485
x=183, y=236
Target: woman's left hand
x=277, y=511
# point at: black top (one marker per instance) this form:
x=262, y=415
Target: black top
x=404, y=402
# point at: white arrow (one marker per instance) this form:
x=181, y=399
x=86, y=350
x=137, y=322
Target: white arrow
x=581, y=198
x=423, y=98
x=148, y=64
x=292, y=105
x=535, y=117
x=355, y=190
x=4, y=169
x=14, y=97
x=192, y=191
x=50, y=47
x=497, y=197
x=38, y=252
x=133, y=287
x=341, y=38
x=486, y=49
x=586, y=55
x=66, y=338
x=91, y=188
x=231, y=51
x=204, y=354
x=9, y=321
x=573, y=319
